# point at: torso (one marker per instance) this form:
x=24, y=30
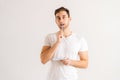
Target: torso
x=69, y=48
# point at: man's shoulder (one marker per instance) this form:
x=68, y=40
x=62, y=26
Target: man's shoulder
x=79, y=36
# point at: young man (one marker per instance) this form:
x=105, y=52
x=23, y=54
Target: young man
x=63, y=48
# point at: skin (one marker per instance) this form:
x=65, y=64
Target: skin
x=62, y=20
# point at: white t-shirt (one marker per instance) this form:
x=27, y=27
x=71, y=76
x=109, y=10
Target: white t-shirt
x=68, y=48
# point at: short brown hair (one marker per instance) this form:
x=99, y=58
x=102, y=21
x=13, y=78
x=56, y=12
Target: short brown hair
x=62, y=9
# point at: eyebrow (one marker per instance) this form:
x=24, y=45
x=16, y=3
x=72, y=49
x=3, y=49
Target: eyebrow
x=62, y=15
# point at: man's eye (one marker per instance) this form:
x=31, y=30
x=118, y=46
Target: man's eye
x=64, y=17
x=58, y=18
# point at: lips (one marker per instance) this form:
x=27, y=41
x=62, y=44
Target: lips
x=61, y=25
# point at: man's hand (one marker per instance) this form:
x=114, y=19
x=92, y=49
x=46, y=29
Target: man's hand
x=60, y=36
x=82, y=63
x=66, y=61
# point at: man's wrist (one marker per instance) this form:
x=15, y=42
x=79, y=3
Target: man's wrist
x=57, y=42
x=71, y=63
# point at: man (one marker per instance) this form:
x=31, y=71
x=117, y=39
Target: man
x=63, y=48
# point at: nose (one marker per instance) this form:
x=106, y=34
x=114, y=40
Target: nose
x=61, y=20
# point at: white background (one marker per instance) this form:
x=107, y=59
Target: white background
x=25, y=23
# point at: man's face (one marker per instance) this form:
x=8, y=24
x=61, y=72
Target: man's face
x=62, y=19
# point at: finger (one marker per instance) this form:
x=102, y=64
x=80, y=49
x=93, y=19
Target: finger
x=61, y=32
x=63, y=61
x=60, y=36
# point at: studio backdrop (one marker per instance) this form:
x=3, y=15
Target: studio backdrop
x=25, y=23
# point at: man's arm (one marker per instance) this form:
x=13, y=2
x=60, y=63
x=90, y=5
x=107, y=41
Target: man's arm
x=48, y=52
x=82, y=63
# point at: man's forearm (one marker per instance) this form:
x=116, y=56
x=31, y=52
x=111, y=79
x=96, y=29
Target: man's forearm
x=79, y=64
x=48, y=54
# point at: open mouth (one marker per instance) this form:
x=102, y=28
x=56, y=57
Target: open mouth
x=61, y=26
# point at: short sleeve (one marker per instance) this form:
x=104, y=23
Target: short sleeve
x=46, y=41
x=83, y=45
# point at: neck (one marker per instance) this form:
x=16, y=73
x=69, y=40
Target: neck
x=67, y=32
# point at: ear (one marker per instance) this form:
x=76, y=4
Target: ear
x=70, y=18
